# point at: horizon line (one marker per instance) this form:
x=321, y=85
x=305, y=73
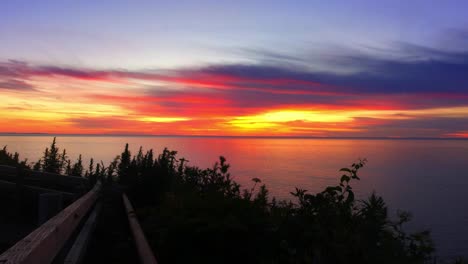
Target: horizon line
x=225, y=136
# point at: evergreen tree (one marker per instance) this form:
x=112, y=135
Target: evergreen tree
x=52, y=160
x=77, y=169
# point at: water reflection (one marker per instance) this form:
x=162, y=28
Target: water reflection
x=426, y=177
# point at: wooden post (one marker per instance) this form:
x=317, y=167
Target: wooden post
x=19, y=191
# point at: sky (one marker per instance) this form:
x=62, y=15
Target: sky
x=235, y=68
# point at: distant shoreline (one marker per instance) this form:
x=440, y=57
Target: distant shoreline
x=233, y=137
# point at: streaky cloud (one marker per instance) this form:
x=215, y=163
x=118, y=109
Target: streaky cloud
x=420, y=91
x=16, y=85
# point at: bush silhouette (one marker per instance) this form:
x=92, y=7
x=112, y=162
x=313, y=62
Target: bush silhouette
x=202, y=216
x=199, y=215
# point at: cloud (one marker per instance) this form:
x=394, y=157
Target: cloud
x=412, y=127
x=128, y=125
x=102, y=122
x=210, y=97
x=419, y=70
x=18, y=85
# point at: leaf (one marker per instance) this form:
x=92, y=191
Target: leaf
x=256, y=180
x=345, y=178
x=345, y=169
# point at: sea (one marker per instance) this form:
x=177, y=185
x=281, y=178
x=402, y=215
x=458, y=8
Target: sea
x=427, y=177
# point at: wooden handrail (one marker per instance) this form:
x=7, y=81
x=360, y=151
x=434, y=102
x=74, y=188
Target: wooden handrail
x=11, y=185
x=42, y=245
x=144, y=250
x=6, y=171
x=44, y=179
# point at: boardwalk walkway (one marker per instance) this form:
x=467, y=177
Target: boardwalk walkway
x=94, y=226
x=112, y=241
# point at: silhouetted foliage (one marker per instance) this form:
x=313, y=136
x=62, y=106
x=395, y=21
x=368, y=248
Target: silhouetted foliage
x=54, y=161
x=202, y=215
x=11, y=159
x=77, y=169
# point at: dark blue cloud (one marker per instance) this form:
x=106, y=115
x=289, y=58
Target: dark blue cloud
x=416, y=127
x=421, y=70
x=435, y=74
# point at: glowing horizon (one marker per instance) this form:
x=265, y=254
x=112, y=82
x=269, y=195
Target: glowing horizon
x=212, y=101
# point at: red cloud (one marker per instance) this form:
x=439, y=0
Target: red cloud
x=204, y=100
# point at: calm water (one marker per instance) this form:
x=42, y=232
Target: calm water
x=427, y=177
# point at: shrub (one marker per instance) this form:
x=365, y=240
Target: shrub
x=201, y=215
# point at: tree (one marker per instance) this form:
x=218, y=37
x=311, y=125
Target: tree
x=52, y=159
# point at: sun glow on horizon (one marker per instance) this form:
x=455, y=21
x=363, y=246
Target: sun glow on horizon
x=274, y=119
x=162, y=119
x=202, y=102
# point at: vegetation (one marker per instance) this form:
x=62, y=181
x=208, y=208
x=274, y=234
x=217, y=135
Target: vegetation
x=203, y=216
x=7, y=158
x=54, y=161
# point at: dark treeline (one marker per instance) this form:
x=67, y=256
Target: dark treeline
x=203, y=216
x=56, y=161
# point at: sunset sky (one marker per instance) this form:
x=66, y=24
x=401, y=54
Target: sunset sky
x=235, y=68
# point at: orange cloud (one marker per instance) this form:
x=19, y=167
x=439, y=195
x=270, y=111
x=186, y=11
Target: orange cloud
x=213, y=102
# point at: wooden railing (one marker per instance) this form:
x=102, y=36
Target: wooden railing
x=8, y=185
x=144, y=251
x=43, y=244
x=47, y=180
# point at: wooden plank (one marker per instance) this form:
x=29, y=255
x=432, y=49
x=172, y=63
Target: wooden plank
x=45, y=179
x=57, y=177
x=8, y=171
x=42, y=245
x=4, y=169
x=10, y=185
x=78, y=250
x=143, y=248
